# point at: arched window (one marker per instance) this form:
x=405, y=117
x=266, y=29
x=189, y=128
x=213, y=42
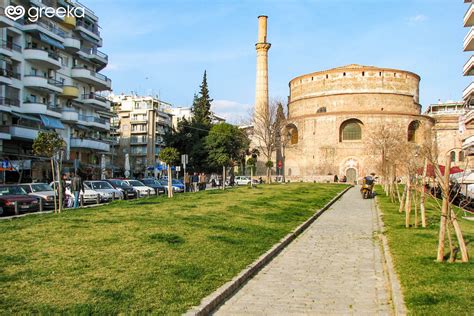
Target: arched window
x=461, y=156
x=292, y=134
x=453, y=156
x=351, y=130
x=321, y=110
x=413, y=131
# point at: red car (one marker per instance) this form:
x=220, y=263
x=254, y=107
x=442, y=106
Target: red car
x=9, y=194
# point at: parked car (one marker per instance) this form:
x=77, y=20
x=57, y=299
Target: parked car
x=105, y=189
x=42, y=191
x=177, y=185
x=155, y=184
x=89, y=196
x=141, y=189
x=127, y=190
x=242, y=180
x=9, y=194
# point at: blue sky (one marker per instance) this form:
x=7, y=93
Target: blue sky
x=163, y=47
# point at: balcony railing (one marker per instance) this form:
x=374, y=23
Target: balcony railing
x=10, y=46
x=9, y=73
x=90, y=27
x=9, y=101
x=92, y=119
x=93, y=96
x=5, y=129
x=97, y=52
x=55, y=82
x=50, y=27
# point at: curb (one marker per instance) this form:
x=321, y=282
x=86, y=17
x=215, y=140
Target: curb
x=219, y=296
x=396, y=294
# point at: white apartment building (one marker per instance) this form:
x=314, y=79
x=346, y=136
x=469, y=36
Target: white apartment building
x=180, y=113
x=139, y=127
x=50, y=80
x=468, y=93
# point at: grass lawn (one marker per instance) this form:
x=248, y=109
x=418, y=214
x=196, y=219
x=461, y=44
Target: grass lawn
x=430, y=288
x=150, y=255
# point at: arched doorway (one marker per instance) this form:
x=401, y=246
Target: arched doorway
x=351, y=174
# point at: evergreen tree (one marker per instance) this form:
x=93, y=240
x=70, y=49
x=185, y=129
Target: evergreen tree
x=202, y=105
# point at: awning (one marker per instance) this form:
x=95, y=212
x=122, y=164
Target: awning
x=51, y=122
x=26, y=117
x=81, y=127
x=89, y=38
x=51, y=41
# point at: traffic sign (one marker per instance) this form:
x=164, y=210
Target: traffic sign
x=184, y=159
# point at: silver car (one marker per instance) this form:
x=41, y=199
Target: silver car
x=105, y=189
x=41, y=190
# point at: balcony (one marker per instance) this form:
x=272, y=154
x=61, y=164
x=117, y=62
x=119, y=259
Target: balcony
x=94, y=121
x=89, y=32
x=32, y=107
x=9, y=48
x=94, y=99
x=139, y=131
x=7, y=76
x=469, y=17
x=9, y=102
x=5, y=133
x=70, y=92
x=90, y=144
x=50, y=29
x=72, y=45
x=23, y=132
x=69, y=22
x=4, y=21
x=42, y=58
x=69, y=115
x=467, y=93
x=100, y=81
x=468, y=69
x=42, y=83
x=469, y=40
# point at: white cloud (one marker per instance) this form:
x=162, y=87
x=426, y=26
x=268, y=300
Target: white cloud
x=419, y=18
x=232, y=111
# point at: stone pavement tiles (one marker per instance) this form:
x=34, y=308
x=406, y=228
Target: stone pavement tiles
x=333, y=268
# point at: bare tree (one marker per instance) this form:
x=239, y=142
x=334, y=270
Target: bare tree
x=267, y=132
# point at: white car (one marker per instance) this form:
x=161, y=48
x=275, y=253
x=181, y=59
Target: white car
x=142, y=190
x=105, y=189
x=244, y=180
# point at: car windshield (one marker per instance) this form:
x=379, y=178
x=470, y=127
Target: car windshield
x=41, y=187
x=13, y=190
x=101, y=185
x=176, y=181
x=135, y=183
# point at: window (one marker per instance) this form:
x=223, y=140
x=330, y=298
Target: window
x=351, y=130
x=453, y=156
x=461, y=156
x=321, y=110
x=292, y=135
x=413, y=131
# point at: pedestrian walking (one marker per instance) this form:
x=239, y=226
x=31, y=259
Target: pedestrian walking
x=202, y=182
x=76, y=187
x=336, y=179
x=187, y=183
x=195, y=182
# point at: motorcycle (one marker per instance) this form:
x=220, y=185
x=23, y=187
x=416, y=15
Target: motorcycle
x=366, y=191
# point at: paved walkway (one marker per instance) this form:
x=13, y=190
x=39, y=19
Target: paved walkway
x=334, y=267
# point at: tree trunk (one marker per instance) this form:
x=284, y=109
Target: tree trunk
x=223, y=177
x=462, y=243
x=55, y=186
x=423, y=196
x=251, y=176
x=60, y=186
x=408, y=203
x=170, y=182
x=403, y=200
x=397, y=189
x=444, y=211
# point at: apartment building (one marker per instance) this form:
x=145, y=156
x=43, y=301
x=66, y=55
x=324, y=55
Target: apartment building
x=139, y=126
x=468, y=93
x=452, y=126
x=180, y=113
x=50, y=80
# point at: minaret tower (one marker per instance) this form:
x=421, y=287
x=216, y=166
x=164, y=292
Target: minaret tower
x=262, y=47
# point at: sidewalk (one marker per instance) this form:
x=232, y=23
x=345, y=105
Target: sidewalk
x=334, y=267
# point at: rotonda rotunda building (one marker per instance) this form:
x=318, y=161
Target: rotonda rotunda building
x=330, y=113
